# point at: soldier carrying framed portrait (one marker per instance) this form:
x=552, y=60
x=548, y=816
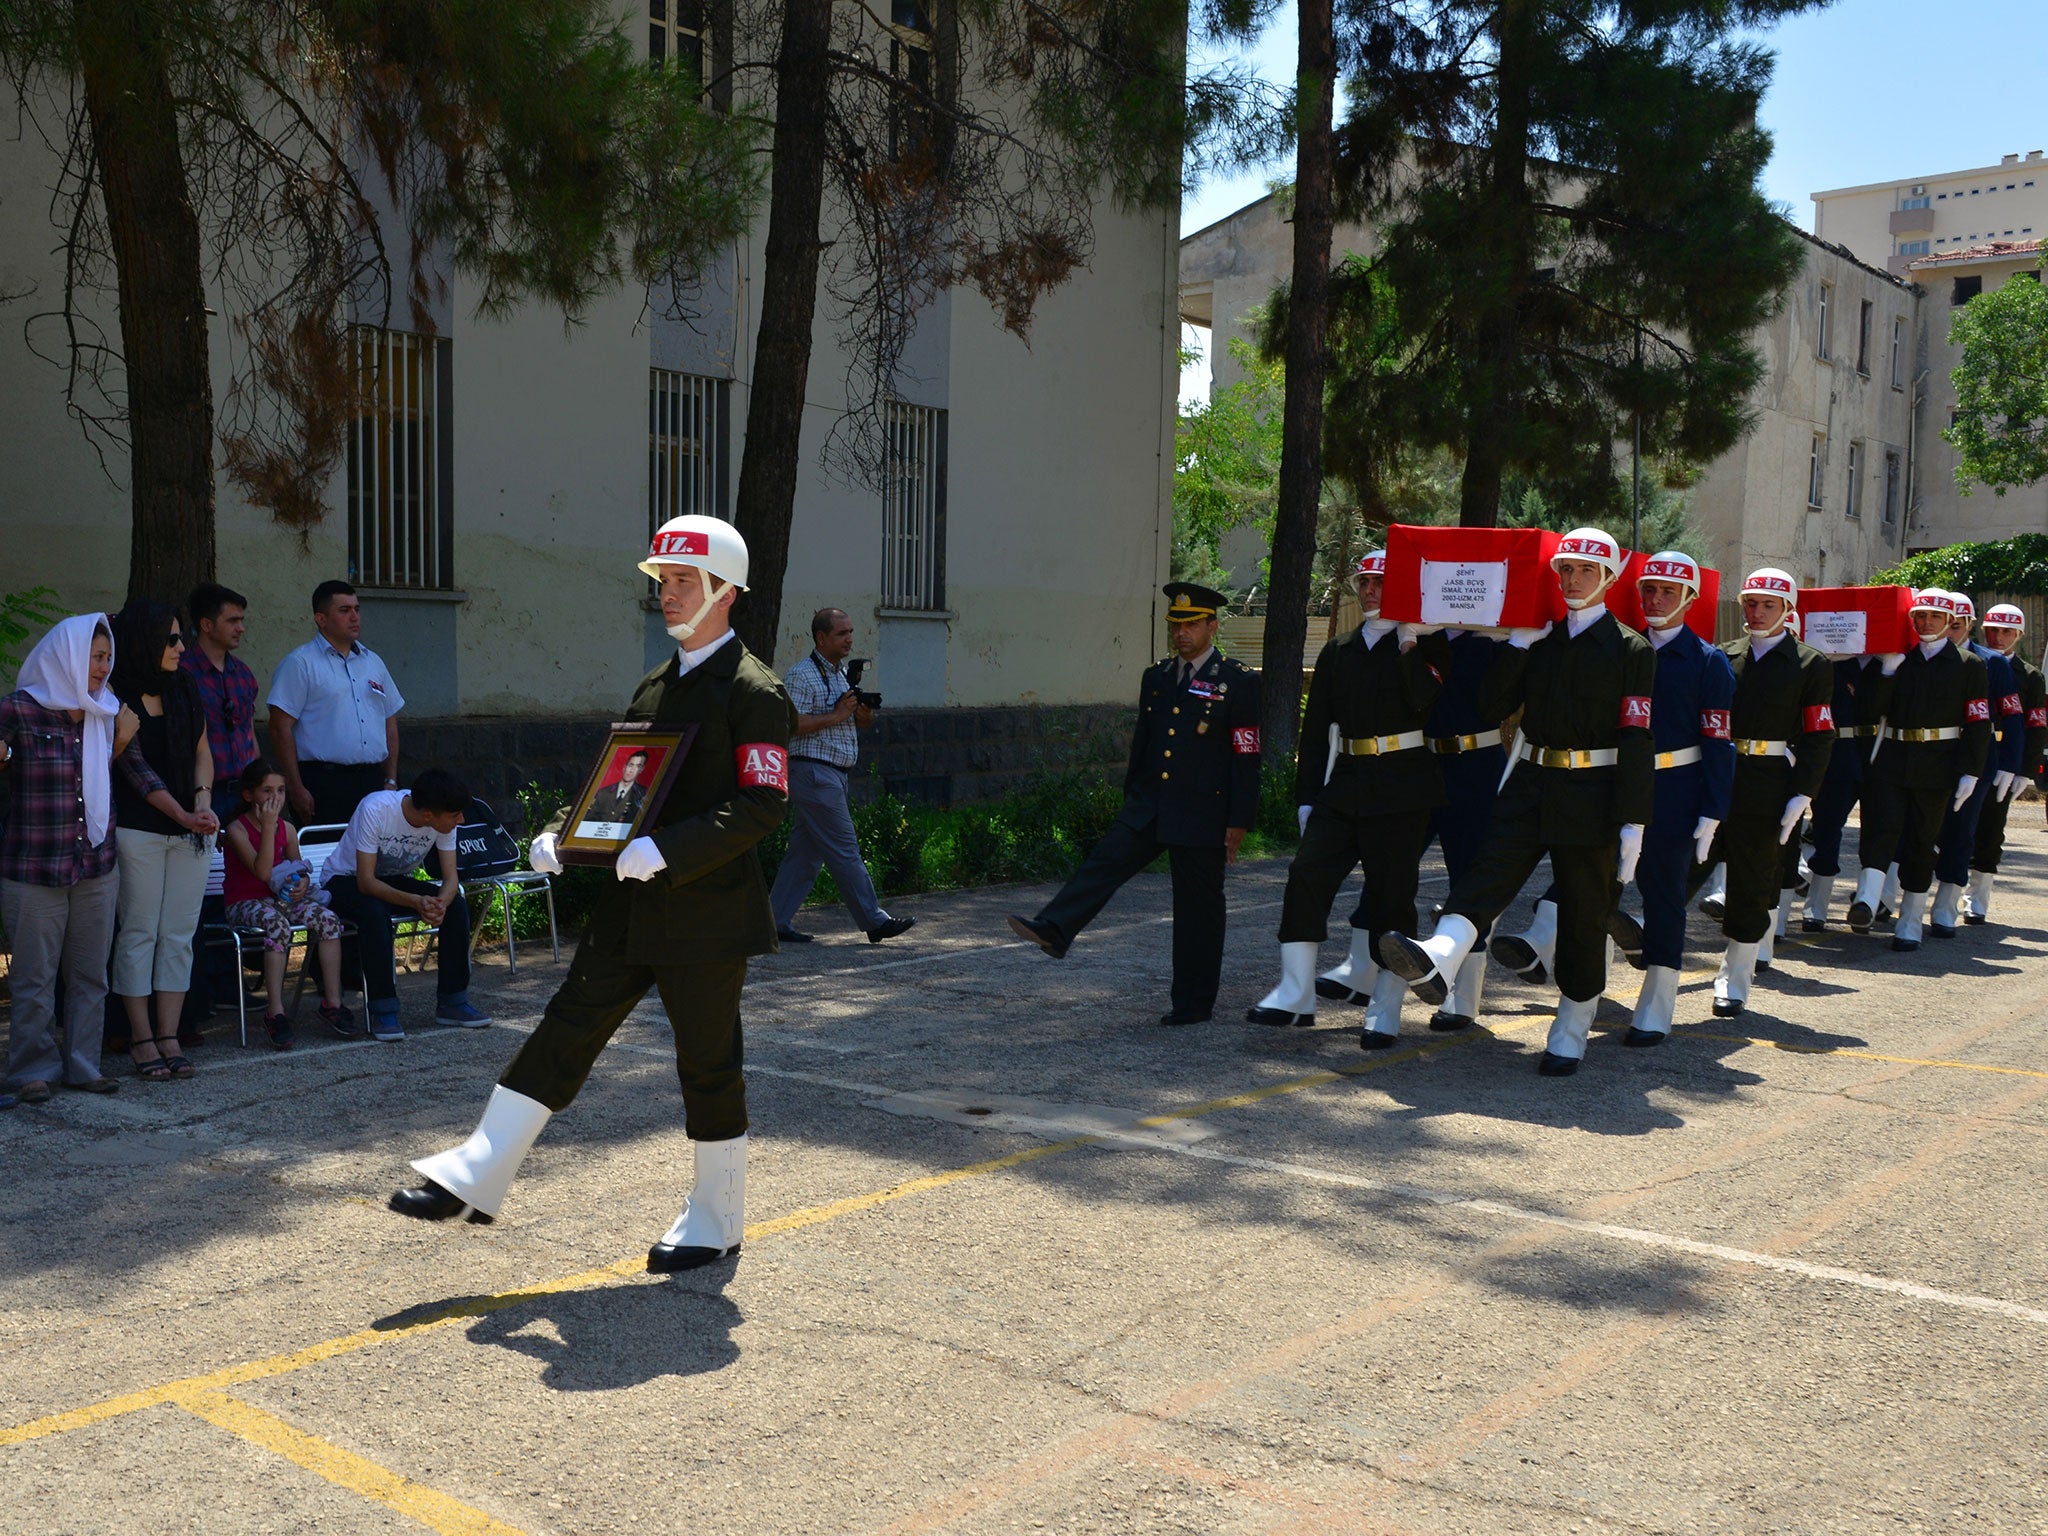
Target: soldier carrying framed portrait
x=624, y=791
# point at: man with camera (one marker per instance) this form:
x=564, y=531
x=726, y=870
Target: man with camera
x=831, y=709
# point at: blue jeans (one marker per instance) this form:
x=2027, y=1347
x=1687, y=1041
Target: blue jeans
x=375, y=920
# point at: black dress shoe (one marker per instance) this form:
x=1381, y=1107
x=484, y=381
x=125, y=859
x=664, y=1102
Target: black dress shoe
x=669, y=1259
x=1715, y=907
x=1181, y=1016
x=1627, y=934
x=1411, y=962
x=1727, y=1007
x=1643, y=1037
x=1937, y=931
x=1974, y=920
x=1279, y=1017
x=1813, y=925
x=1377, y=1040
x=1337, y=992
x=430, y=1202
x=1043, y=935
x=1762, y=966
x=1904, y=946
x=1860, y=917
x=791, y=936
x=1444, y=1023
x=1884, y=913
x=891, y=928
x=1557, y=1066
x=1518, y=955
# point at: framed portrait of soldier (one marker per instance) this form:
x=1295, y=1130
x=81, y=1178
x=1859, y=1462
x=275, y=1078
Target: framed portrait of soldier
x=624, y=791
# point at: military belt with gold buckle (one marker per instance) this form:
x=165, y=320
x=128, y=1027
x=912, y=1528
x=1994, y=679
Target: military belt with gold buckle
x=1574, y=757
x=1851, y=732
x=1930, y=733
x=1684, y=757
x=1451, y=746
x=1746, y=747
x=1379, y=746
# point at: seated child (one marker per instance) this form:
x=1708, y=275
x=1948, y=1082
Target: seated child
x=268, y=886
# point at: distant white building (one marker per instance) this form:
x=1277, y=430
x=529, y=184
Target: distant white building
x=1892, y=224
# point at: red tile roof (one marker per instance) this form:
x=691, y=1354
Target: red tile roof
x=1990, y=250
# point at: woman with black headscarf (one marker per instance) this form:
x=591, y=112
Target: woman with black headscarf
x=164, y=854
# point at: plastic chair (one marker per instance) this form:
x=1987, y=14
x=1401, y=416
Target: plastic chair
x=486, y=855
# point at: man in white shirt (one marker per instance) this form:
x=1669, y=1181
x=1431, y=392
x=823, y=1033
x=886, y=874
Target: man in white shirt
x=333, y=714
x=372, y=874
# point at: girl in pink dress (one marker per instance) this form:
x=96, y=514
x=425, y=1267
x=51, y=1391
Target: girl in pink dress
x=259, y=840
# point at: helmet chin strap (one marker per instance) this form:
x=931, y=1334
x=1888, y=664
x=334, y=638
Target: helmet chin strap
x=1673, y=619
x=688, y=628
x=1776, y=629
x=1579, y=605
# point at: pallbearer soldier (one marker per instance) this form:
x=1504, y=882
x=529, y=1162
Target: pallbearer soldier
x=1579, y=788
x=1695, y=765
x=686, y=911
x=1191, y=791
x=1365, y=783
x=1470, y=756
x=1999, y=774
x=1784, y=726
x=1839, y=790
x=2003, y=626
x=1937, y=728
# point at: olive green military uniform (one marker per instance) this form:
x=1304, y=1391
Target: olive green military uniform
x=1944, y=702
x=690, y=930
x=1783, y=723
x=2034, y=751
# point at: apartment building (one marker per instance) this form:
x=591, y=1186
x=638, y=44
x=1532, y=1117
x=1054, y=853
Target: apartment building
x=1892, y=224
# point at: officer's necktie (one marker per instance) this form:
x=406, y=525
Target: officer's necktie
x=1186, y=667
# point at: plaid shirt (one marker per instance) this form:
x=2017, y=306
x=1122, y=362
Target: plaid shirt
x=45, y=839
x=815, y=688
x=228, y=695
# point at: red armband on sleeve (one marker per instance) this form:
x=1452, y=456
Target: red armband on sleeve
x=1818, y=717
x=2010, y=705
x=1714, y=724
x=763, y=765
x=2038, y=716
x=1244, y=740
x=1635, y=712
x=1977, y=709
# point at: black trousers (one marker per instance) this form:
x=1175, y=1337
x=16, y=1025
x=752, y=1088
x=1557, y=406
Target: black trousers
x=703, y=1003
x=1900, y=825
x=1990, y=845
x=1759, y=869
x=1388, y=849
x=338, y=788
x=1131, y=843
x=1582, y=875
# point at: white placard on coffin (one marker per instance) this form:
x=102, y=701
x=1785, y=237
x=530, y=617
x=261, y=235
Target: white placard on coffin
x=1467, y=594
x=1841, y=632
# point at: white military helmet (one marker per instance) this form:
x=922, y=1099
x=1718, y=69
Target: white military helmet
x=2005, y=616
x=1372, y=563
x=1933, y=600
x=1769, y=581
x=1672, y=565
x=1792, y=623
x=712, y=545
x=1964, y=608
x=1589, y=544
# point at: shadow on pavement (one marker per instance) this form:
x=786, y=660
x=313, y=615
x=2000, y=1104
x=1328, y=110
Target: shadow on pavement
x=614, y=1337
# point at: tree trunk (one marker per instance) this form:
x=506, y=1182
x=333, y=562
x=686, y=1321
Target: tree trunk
x=1492, y=406
x=789, y=301
x=1301, y=429
x=155, y=239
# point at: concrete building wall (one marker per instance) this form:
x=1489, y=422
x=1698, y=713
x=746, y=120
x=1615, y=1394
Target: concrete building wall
x=1890, y=224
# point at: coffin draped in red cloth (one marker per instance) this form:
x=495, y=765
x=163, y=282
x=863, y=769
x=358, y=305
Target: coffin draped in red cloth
x=1470, y=578
x=1857, y=621
x=1625, y=603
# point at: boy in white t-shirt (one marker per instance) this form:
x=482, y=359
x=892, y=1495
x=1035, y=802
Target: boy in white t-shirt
x=373, y=875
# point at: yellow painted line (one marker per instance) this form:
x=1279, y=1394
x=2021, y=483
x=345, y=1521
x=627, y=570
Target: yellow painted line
x=1837, y=1050
x=431, y=1508
x=852, y=1203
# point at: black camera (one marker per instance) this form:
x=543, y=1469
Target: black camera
x=855, y=670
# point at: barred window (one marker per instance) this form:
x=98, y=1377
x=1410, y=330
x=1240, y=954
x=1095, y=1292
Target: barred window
x=911, y=45
x=1814, y=466
x=401, y=526
x=679, y=32
x=686, y=434
x=914, y=510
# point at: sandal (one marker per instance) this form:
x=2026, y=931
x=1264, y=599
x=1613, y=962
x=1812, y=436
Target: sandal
x=156, y=1069
x=177, y=1064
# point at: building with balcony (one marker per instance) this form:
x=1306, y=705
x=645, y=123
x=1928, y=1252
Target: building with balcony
x=1892, y=224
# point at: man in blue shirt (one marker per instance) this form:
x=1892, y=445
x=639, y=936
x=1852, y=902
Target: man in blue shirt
x=334, y=714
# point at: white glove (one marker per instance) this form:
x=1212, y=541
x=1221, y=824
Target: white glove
x=1966, y=786
x=1522, y=639
x=1703, y=838
x=1412, y=632
x=1631, y=850
x=1794, y=809
x=2001, y=784
x=542, y=857
x=2012, y=790
x=1890, y=661
x=1301, y=818
x=639, y=860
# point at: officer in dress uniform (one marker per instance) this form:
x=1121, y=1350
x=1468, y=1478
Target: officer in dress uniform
x=1999, y=776
x=1784, y=727
x=1366, y=782
x=1192, y=790
x=1937, y=729
x=686, y=911
x=1839, y=791
x=1470, y=754
x=1695, y=766
x=1579, y=788
x=2003, y=626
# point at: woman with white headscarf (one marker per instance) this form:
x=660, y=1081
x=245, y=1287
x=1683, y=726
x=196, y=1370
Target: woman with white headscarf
x=61, y=736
